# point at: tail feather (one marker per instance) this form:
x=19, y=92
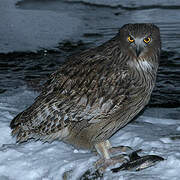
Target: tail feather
x=15, y=122
x=22, y=137
x=17, y=130
x=41, y=121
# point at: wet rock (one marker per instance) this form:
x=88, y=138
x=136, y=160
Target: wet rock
x=2, y=91
x=175, y=137
x=92, y=35
x=70, y=46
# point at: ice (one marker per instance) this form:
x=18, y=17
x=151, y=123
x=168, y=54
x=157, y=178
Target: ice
x=130, y=3
x=32, y=30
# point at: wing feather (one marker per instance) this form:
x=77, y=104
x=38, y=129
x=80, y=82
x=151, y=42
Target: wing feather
x=88, y=86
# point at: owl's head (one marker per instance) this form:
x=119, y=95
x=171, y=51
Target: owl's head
x=140, y=40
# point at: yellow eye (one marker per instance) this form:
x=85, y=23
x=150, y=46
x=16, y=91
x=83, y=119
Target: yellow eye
x=147, y=40
x=130, y=39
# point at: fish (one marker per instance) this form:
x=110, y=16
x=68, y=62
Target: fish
x=138, y=163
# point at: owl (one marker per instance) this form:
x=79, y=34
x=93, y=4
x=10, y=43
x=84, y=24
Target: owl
x=95, y=93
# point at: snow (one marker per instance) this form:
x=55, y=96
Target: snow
x=37, y=160
x=32, y=30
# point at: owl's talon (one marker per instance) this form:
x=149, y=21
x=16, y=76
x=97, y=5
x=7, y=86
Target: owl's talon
x=103, y=164
x=99, y=162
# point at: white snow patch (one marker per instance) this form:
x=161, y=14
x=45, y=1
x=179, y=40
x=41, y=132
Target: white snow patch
x=159, y=120
x=178, y=128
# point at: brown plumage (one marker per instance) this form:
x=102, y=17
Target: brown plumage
x=96, y=92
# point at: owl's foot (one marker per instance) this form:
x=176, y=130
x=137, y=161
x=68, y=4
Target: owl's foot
x=102, y=164
x=105, y=148
x=106, y=151
x=119, y=149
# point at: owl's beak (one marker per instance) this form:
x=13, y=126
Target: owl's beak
x=139, y=46
x=139, y=49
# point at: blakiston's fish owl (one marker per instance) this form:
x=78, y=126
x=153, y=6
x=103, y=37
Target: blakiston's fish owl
x=96, y=92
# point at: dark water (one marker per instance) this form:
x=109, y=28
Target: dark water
x=100, y=22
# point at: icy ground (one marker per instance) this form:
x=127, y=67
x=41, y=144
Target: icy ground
x=22, y=30
x=43, y=161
